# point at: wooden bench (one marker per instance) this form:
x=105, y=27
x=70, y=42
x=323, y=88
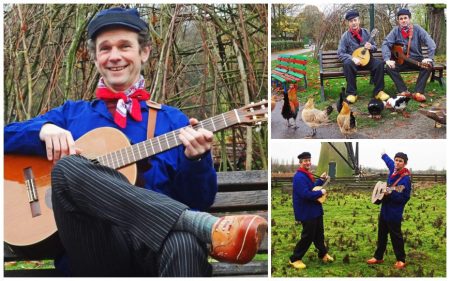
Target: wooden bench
x=290, y=69
x=239, y=192
x=331, y=68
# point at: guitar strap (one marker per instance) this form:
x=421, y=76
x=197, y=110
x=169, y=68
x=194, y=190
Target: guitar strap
x=153, y=108
x=410, y=35
x=396, y=182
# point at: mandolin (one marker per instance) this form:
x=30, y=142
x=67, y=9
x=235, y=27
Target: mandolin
x=362, y=53
x=399, y=57
x=380, y=189
x=322, y=198
x=29, y=224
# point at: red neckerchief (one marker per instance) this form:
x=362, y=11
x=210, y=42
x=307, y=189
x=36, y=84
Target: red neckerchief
x=356, y=34
x=308, y=173
x=402, y=172
x=127, y=101
x=406, y=31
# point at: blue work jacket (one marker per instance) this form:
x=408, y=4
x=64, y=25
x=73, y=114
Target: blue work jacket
x=304, y=199
x=193, y=183
x=393, y=205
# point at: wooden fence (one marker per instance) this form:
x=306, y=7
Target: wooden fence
x=283, y=179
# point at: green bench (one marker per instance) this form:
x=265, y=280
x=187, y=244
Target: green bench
x=290, y=69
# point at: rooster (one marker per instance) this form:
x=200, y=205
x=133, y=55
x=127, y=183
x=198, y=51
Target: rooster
x=346, y=120
x=290, y=105
x=398, y=104
x=314, y=117
x=375, y=107
x=340, y=100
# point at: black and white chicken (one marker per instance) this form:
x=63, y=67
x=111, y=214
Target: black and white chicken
x=398, y=104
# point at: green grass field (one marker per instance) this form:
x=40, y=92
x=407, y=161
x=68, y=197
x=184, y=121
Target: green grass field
x=434, y=92
x=351, y=234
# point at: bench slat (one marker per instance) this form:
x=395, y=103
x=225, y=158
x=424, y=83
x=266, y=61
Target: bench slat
x=242, y=177
x=241, y=199
x=251, y=268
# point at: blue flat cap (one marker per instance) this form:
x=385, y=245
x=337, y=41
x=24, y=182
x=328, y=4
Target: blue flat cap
x=351, y=14
x=304, y=155
x=403, y=11
x=116, y=16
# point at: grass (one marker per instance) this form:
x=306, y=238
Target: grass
x=20, y=265
x=350, y=222
x=434, y=92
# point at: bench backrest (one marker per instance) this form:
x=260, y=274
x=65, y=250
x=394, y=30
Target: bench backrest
x=295, y=63
x=330, y=59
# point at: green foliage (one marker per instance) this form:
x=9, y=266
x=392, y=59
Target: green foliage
x=350, y=222
x=286, y=45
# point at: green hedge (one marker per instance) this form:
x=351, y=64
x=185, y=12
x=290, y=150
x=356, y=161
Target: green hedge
x=286, y=45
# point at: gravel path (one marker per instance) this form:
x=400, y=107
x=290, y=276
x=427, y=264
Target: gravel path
x=415, y=127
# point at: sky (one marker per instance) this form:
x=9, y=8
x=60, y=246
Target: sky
x=422, y=154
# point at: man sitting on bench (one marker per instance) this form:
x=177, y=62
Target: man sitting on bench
x=356, y=37
x=411, y=37
x=108, y=226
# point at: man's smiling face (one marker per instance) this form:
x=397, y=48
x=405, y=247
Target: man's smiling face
x=119, y=57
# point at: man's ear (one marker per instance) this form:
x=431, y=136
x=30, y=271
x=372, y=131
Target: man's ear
x=145, y=53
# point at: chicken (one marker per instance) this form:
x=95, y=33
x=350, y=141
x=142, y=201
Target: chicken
x=438, y=114
x=375, y=107
x=346, y=120
x=398, y=104
x=273, y=103
x=314, y=117
x=291, y=105
x=340, y=100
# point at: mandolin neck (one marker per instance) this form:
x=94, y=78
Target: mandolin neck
x=150, y=147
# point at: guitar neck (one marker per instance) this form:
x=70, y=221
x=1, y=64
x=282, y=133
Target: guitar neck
x=150, y=147
x=418, y=63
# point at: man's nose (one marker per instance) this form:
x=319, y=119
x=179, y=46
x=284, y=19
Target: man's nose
x=115, y=54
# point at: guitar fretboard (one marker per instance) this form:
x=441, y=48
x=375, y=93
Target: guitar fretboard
x=150, y=147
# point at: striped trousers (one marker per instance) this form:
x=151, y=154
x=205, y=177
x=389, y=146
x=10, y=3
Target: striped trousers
x=110, y=227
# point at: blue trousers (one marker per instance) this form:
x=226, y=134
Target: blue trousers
x=109, y=227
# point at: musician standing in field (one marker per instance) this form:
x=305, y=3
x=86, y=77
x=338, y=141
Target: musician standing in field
x=412, y=37
x=352, y=39
x=109, y=227
x=391, y=213
x=309, y=212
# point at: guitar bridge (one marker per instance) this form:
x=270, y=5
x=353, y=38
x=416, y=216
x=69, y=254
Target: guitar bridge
x=32, y=192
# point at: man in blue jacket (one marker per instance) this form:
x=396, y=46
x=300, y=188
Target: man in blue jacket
x=109, y=227
x=414, y=36
x=309, y=212
x=392, y=206
x=356, y=37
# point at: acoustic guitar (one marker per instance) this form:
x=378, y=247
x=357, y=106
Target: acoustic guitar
x=380, y=189
x=362, y=53
x=322, y=198
x=399, y=57
x=29, y=225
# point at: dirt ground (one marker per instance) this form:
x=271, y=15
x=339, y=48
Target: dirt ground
x=416, y=126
